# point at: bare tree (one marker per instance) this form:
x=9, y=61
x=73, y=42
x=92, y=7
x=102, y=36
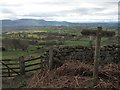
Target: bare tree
x=24, y=45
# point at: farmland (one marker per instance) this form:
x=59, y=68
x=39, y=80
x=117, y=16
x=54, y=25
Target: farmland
x=59, y=44
x=36, y=43
x=37, y=40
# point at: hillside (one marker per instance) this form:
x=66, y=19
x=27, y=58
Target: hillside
x=23, y=24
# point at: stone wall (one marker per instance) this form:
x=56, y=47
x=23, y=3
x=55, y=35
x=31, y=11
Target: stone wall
x=108, y=53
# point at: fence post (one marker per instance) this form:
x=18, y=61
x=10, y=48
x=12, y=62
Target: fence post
x=97, y=55
x=42, y=63
x=91, y=41
x=22, y=65
x=8, y=72
x=50, y=58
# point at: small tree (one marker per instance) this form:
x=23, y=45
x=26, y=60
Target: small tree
x=7, y=43
x=16, y=43
x=24, y=45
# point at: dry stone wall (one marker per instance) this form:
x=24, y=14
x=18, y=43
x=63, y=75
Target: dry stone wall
x=108, y=54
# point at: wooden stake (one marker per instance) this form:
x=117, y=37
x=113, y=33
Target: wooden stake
x=50, y=58
x=97, y=55
x=22, y=65
x=91, y=41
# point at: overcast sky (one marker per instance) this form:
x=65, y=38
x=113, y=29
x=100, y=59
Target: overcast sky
x=60, y=10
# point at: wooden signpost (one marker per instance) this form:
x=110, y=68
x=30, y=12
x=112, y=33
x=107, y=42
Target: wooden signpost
x=99, y=33
x=50, y=58
x=91, y=41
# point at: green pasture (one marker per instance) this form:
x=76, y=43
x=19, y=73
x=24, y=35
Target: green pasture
x=69, y=42
x=57, y=31
x=18, y=53
x=32, y=48
x=13, y=54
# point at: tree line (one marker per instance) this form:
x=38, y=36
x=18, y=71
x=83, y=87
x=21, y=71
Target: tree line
x=15, y=44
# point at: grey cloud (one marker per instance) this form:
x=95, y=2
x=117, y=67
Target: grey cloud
x=7, y=11
x=108, y=4
x=58, y=2
x=10, y=5
x=79, y=11
x=97, y=10
x=113, y=13
x=83, y=11
x=8, y=8
x=52, y=14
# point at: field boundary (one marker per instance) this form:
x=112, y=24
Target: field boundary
x=12, y=68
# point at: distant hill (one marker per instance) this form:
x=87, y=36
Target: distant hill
x=33, y=23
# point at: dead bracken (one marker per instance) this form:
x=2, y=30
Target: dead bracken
x=76, y=75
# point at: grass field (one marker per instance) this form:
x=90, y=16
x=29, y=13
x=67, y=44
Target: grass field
x=17, y=53
x=80, y=42
x=30, y=34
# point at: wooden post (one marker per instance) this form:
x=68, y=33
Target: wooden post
x=8, y=72
x=42, y=63
x=50, y=58
x=97, y=55
x=22, y=65
x=91, y=41
x=99, y=34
